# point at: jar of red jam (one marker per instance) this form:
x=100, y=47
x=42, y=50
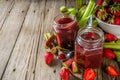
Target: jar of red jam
x=66, y=30
x=89, y=47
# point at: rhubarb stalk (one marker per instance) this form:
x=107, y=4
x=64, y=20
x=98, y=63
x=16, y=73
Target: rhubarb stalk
x=78, y=4
x=87, y=13
x=115, y=46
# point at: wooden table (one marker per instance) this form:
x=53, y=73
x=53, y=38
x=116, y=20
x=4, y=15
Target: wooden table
x=22, y=25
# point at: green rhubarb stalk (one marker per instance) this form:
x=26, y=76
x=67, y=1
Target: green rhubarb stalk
x=72, y=11
x=115, y=46
x=63, y=9
x=47, y=36
x=117, y=53
x=78, y=4
x=81, y=12
x=87, y=13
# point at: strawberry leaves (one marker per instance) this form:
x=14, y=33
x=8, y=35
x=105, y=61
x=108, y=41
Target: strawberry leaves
x=108, y=11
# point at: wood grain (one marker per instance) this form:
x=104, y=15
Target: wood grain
x=43, y=70
x=23, y=58
x=10, y=31
x=5, y=8
x=22, y=26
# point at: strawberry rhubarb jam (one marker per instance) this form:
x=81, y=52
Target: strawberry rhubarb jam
x=89, y=47
x=66, y=30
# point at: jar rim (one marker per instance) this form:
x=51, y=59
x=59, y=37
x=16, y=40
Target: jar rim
x=95, y=28
x=61, y=16
x=61, y=25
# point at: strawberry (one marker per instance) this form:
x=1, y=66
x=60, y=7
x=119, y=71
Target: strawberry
x=89, y=35
x=68, y=62
x=118, y=1
x=99, y=2
x=110, y=37
x=74, y=67
x=112, y=71
x=107, y=9
x=89, y=74
x=117, y=13
x=108, y=53
x=61, y=56
x=101, y=14
x=105, y=3
x=115, y=8
x=48, y=58
x=111, y=19
x=117, y=20
x=64, y=74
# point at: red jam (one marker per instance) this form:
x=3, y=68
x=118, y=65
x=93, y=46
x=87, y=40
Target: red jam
x=66, y=31
x=89, y=49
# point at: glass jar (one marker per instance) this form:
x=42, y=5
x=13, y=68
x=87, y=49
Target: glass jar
x=89, y=47
x=66, y=30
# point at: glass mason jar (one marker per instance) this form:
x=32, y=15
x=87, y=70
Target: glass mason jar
x=89, y=47
x=66, y=30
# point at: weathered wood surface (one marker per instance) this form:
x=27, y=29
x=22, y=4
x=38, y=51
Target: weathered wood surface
x=22, y=25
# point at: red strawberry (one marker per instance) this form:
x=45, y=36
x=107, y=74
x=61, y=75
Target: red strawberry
x=89, y=74
x=112, y=71
x=110, y=37
x=68, y=62
x=64, y=74
x=111, y=19
x=115, y=8
x=90, y=36
x=101, y=14
x=107, y=9
x=48, y=58
x=117, y=20
x=118, y=1
x=61, y=56
x=106, y=3
x=108, y=53
x=99, y=2
x=117, y=14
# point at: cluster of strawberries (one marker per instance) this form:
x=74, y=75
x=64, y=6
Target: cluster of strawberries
x=108, y=11
x=70, y=66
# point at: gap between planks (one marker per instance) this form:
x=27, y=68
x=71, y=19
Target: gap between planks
x=3, y=32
